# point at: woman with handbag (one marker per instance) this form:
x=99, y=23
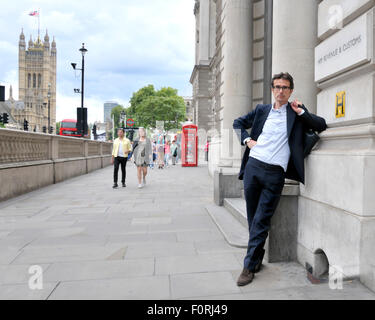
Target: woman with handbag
x=142, y=152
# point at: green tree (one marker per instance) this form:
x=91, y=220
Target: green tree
x=58, y=126
x=148, y=106
x=116, y=114
x=109, y=135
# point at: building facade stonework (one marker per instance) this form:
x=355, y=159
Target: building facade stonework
x=328, y=48
x=37, y=77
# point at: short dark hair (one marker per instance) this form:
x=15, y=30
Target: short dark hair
x=122, y=129
x=284, y=76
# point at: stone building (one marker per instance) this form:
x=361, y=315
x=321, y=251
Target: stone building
x=328, y=48
x=189, y=109
x=37, y=76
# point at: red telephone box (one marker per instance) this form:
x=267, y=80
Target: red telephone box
x=189, y=145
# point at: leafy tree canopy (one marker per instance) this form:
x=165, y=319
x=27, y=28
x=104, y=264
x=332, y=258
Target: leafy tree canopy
x=147, y=106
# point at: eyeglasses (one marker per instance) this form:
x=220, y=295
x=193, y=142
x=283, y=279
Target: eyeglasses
x=279, y=88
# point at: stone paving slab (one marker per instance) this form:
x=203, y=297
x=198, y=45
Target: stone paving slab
x=202, y=284
x=23, y=292
x=8, y=255
x=143, y=238
x=196, y=264
x=153, y=243
x=16, y=243
x=135, y=251
x=77, y=271
x=193, y=236
x=146, y=288
x=65, y=254
x=69, y=241
x=3, y=234
x=216, y=246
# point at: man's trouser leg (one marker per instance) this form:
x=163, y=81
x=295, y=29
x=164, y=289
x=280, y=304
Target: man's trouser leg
x=115, y=172
x=123, y=169
x=263, y=186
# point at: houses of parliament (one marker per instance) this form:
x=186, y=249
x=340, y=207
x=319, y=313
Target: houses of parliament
x=37, y=84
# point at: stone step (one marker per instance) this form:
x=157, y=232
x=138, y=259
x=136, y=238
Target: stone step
x=237, y=207
x=233, y=231
x=291, y=188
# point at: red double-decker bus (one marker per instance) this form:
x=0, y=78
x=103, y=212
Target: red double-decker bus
x=69, y=128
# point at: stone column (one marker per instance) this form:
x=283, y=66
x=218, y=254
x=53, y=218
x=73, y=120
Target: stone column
x=237, y=76
x=294, y=41
x=204, y=31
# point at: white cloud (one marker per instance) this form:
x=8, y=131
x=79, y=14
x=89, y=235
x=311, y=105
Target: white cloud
x=131, y=44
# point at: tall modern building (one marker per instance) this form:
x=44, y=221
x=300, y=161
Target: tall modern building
x=108, y=106
x=37, y=77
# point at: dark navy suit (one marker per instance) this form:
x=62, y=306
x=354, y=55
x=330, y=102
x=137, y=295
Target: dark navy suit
x=263, y=183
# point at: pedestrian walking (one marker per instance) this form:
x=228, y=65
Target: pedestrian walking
x=154, y=153
x=160, y=148
x=275, y=151
x=206, y=150
x=142, y=153
x=167, y=151
x=120, y=153
x=174, y=152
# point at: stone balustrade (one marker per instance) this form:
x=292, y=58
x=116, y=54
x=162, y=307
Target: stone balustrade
x=29, y=161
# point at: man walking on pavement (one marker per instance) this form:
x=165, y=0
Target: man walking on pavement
x=275, y=151
x=121, y=149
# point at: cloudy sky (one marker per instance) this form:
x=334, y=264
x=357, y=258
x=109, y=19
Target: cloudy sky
x=131, y=43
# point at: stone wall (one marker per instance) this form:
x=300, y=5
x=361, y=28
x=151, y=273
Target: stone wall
x=29, y=161
x=337, y=206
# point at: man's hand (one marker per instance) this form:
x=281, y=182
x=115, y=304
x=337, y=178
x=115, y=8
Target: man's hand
x=113, y=160
x=296, y=106
x=251, y=144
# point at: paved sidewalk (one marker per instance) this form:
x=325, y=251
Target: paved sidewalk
x=159, y=242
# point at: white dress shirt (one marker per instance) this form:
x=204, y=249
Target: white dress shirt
x=121, y=150
x=272, y=146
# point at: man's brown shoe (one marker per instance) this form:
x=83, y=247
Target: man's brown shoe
x=245, y=278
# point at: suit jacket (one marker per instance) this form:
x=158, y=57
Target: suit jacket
x=296, y=126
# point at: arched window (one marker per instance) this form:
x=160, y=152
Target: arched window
x=39, y=80
x=29, y=80
x=34, y=80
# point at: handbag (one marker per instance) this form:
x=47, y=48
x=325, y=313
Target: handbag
x=309, y=141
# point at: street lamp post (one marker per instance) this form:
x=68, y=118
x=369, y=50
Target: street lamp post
x=49, y=107
x=83, y=51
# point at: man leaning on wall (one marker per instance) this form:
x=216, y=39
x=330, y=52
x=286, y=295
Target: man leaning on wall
x=275, y=151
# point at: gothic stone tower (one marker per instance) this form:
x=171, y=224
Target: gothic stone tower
x=37, y=73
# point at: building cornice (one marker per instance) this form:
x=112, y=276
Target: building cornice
x=196, y=69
